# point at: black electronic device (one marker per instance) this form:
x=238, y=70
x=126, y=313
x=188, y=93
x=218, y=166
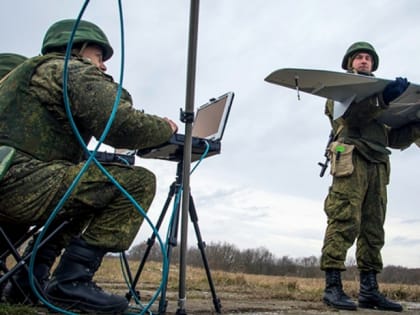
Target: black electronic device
x=109, y=157
x=207, y=130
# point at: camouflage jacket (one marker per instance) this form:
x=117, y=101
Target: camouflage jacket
x=33, y=117
x=370, y=136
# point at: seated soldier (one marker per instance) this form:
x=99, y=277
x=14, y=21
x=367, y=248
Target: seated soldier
x=48, y=157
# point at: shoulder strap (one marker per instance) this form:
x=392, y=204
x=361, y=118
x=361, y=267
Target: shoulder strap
x=5, y=77
x=339, y=129
x=6, y=156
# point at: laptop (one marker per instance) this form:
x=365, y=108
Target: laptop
x=208, y=127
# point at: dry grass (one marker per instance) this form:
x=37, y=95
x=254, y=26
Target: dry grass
x=239, y=293
x=243, y=285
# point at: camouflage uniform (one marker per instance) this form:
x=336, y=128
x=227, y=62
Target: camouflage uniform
x=33, y=120
x=356, y=204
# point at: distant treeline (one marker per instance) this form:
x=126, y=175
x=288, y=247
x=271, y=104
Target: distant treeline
x=227, y=257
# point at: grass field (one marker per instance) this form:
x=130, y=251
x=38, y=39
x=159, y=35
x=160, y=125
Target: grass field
x=238, y=293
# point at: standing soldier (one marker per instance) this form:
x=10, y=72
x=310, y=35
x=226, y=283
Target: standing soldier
x=356, y=202
x=48, y=156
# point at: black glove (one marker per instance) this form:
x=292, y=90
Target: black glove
x=394, y=89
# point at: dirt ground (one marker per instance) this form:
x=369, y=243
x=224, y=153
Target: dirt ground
x=235, y=305
x=270, y=307
x=232, y=304
x=276, y=307
x=249, y=307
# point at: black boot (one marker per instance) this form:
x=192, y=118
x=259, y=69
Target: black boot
x=333, y=294
x=370, y=297
x=71, y=285
x=20, y=291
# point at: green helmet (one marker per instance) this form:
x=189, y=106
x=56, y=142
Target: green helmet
x=360, y=47
x=59, y=34
x=8, y=62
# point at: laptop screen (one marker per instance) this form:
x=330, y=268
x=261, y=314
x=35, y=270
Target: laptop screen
x=210, y=119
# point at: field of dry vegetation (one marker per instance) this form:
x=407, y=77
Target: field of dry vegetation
x=238, y=293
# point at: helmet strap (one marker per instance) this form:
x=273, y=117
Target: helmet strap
x=350, y=63
x=85, y=44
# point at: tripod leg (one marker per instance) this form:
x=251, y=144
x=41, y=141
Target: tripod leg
x=131, y=291
x=173, y=236
x=150, y=242
x=202, y=246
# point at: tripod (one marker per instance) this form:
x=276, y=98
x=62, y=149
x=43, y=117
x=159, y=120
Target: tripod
x=174, y=189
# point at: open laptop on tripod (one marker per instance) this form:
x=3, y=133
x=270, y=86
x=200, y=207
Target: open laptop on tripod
x=209, y=125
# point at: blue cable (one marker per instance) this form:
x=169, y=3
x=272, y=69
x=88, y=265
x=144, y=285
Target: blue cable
x=85, y=166
x=206, y=151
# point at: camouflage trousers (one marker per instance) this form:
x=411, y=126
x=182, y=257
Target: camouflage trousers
x=96, y=208
x=356, y=209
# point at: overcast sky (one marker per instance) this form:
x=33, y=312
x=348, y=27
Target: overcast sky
x=264, y=188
